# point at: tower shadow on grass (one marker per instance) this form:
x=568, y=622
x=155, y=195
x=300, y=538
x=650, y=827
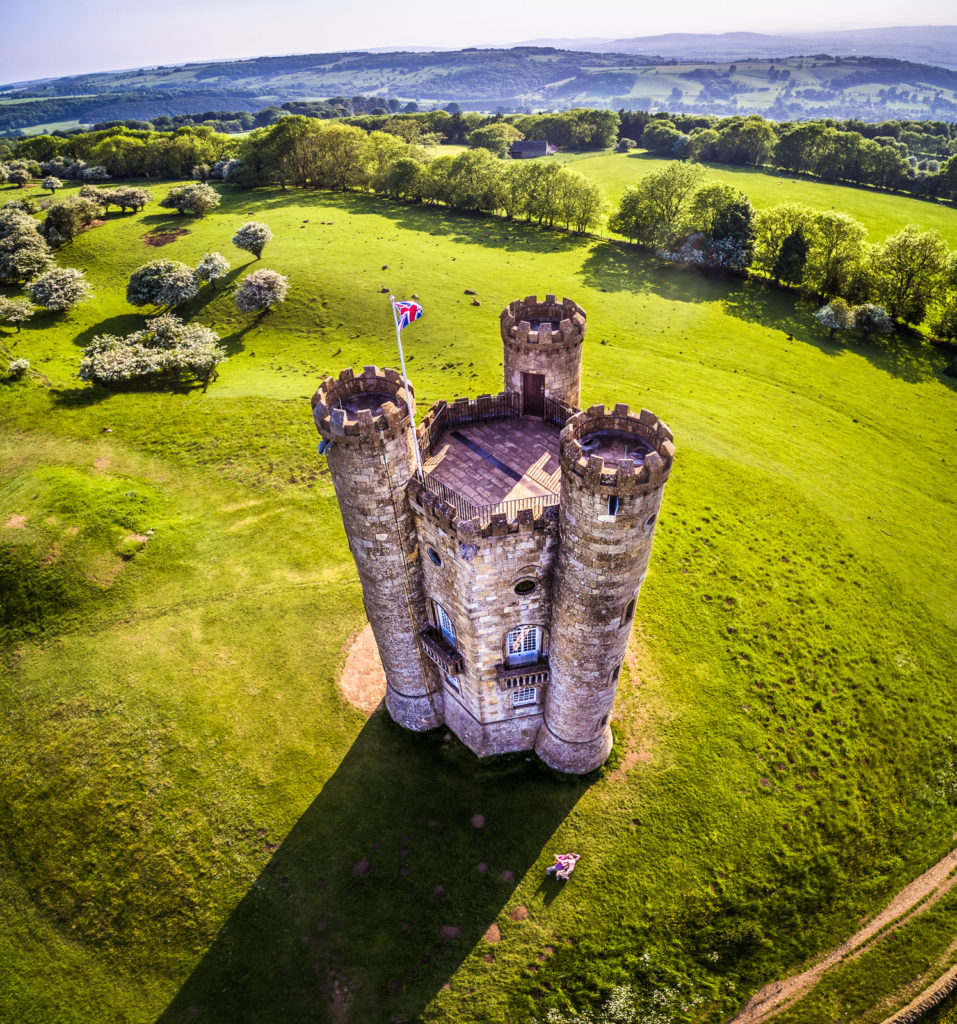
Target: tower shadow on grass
x=375, y=897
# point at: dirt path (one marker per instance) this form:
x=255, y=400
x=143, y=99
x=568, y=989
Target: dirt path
x=929, y=888
x=363, y=681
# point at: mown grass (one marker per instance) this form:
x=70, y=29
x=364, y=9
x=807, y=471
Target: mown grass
x=882, y=213
x=184, y=795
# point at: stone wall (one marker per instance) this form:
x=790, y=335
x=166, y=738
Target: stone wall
x=371, y=461
x=602, y=561
x=475, y=584
x=556, y=353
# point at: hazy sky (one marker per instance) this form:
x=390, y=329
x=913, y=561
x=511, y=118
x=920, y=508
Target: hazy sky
x=61, y=37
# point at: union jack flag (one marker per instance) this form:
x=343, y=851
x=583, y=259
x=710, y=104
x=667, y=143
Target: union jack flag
x=406, y=312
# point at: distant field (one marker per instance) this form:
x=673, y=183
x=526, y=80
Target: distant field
x=184, y=793
x=50, y=126
x=881, y=213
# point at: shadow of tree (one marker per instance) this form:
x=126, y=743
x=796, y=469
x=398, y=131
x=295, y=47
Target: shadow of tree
x=904, y=354
x=378, y=892
x=207, y=294
x=486, y=230
x=234, y=342
x=617, y=266
x=125, y=323
x=80, y=397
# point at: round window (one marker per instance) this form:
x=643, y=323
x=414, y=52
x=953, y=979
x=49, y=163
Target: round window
x=525, y=586
x=434, y=556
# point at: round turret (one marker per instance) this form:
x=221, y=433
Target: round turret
x=614, y=468
x=543, y=350
x=367, y=439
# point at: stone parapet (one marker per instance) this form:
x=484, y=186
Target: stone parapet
x=518, y=317
x=469, y=531
x=651, y=468
x=331, y=403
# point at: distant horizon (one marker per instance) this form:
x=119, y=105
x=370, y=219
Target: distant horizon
x=199, y=31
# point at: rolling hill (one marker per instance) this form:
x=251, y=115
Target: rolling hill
x=517, y=79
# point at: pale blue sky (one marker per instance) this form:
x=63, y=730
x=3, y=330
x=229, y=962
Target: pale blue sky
x=60, y=37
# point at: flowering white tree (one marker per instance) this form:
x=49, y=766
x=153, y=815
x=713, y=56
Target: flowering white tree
x=198, y=199
x=224, y=170
x=166, y=350
x=59, y=289
x=252, y=237
x=837, y=315
x=15, y=311
x=24, y=253
x=260, y=291
x=17, y=368
x=162, y=283
x=212, y=267
x=51, y=184
x=872, y=319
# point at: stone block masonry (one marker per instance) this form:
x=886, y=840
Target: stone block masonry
x=505, y=612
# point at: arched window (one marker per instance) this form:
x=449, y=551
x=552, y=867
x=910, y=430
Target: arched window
x=523, y=645
x=445, y=624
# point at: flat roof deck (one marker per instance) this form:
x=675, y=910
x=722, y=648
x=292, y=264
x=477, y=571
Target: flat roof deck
x=499, y=462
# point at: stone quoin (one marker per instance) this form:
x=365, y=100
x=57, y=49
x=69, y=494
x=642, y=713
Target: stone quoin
x=501, y=587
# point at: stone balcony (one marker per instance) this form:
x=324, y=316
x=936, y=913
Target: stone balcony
x=510, y=676
x=439, y=650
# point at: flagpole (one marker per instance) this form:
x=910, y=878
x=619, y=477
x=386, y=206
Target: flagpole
x=408, y=391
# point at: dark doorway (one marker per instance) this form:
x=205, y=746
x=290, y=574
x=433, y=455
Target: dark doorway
x=533, y=394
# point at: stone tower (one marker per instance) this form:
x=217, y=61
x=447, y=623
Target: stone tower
x=543, y=350
x=501, y=585
x=366, y=420
x=614, y=468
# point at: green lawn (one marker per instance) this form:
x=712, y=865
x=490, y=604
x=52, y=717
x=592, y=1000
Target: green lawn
x=880, y=212
x=183, y=794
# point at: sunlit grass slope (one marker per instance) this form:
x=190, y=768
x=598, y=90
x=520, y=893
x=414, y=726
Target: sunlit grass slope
x=880, y=212
x=185, y=801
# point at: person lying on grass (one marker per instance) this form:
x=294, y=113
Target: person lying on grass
x=564, y=865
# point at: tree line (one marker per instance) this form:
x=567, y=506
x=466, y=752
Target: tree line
x=905, y=159
x=710, y=226
x=910, y=277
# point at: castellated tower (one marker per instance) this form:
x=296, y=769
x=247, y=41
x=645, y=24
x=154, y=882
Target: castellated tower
x=366, y=420
x=543, y=350
x=502, y=583
x=614, y=468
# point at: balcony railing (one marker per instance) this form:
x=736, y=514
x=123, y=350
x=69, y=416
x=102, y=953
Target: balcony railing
x=441, y=651
x=464, y=509
x=557, y=412
x=511, y=676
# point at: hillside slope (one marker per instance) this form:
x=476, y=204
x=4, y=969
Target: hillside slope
x=521, y=78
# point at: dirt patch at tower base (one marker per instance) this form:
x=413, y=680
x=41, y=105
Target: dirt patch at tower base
x=363, y=680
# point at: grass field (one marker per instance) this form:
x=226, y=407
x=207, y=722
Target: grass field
x=184, y=794
x=880, y=212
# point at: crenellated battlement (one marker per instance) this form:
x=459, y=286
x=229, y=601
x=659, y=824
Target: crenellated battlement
x=353, y=405
x=617, y=448
x=468, y=531
x=531, y=322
